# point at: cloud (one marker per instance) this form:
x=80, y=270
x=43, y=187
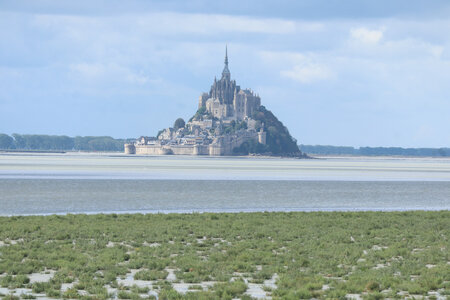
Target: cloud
x=97, y=72
x=164, y=23
x=308, y=73
x=436, y=51
x=88, y=71
x=303, y=68
x=366, y=36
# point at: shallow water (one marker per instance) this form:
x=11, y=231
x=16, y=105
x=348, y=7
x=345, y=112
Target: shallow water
x=74, y=183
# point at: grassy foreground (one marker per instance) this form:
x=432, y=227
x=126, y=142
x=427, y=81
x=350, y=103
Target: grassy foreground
x=320, y=254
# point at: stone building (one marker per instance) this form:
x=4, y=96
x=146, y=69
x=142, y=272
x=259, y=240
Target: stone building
x=222, y=123
x=228, y=101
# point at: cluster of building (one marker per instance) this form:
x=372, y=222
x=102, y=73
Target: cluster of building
x=222, y=123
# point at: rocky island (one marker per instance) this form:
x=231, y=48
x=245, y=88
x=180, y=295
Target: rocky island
x=229, y=121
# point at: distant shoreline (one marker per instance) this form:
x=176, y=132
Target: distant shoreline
x=31, y=151
x=326, y=150
x=309, y=156
x=33, y=143
x=343, y=156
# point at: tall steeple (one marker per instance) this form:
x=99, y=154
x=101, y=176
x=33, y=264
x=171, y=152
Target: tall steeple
x=226, y=72
x=226, y=55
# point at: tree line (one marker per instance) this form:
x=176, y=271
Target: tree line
x=278, y=140
x=374, y=151
x=40, y=142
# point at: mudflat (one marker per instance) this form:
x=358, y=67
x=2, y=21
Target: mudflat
x=107, y=183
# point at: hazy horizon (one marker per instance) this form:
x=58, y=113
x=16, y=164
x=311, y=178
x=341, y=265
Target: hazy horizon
x=353, y=73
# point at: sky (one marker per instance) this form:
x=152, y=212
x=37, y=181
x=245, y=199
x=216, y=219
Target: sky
x=354, y=73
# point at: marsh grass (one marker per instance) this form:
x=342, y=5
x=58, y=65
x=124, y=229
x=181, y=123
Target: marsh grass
x=359, y=253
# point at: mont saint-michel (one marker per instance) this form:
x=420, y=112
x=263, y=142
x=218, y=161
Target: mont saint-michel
x=229, y=121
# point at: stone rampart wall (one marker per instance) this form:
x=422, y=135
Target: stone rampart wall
x=224, y=148
x=148, y=150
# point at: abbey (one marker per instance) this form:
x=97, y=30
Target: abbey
x=221, y=125
x=226, y=100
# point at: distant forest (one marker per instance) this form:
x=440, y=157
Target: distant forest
x=38, y=142
x=374, y=151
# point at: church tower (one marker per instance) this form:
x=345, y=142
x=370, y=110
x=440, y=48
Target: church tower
x=226, y=72
x=226, y=100
x=224, y=89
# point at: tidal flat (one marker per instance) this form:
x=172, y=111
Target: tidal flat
x=45, y=184
x=271, y=255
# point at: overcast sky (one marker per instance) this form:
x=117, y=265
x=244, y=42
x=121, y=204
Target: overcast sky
x=357, y=73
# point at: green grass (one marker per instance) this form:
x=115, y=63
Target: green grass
x=363, y=252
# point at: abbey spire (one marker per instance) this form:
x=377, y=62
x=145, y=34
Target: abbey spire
x=226, y=72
